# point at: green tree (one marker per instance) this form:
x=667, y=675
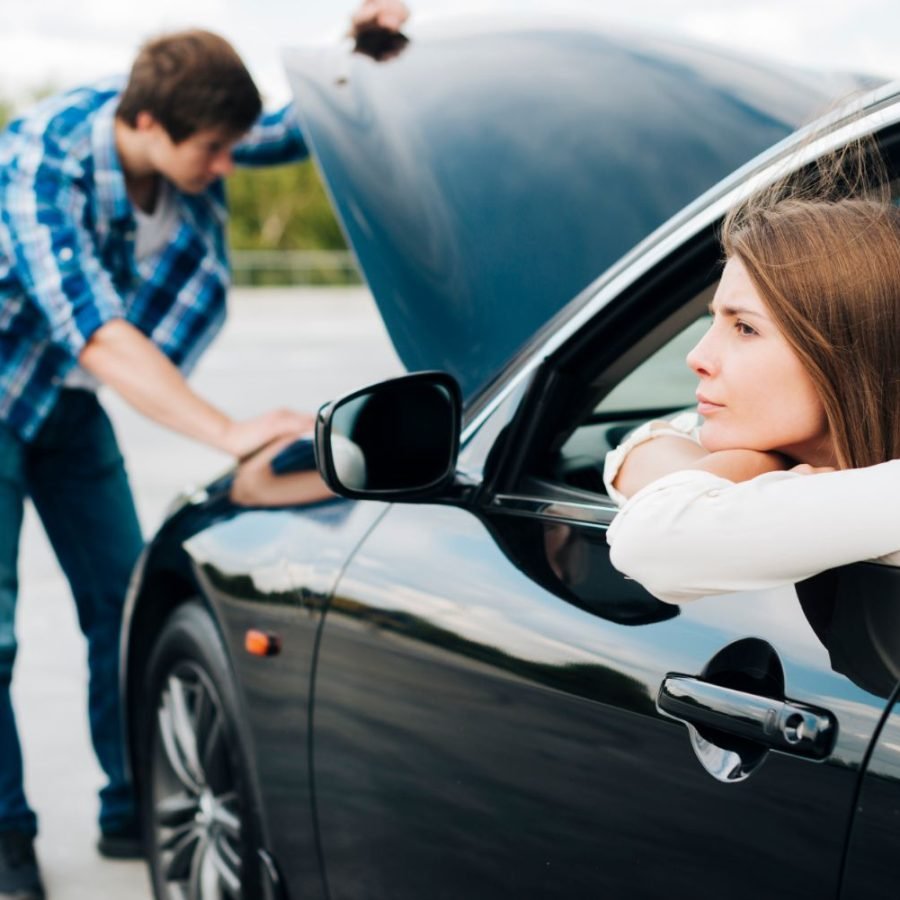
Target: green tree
x=281, y=208
x=6, y=111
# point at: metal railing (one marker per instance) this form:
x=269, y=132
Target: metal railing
x=288, y=267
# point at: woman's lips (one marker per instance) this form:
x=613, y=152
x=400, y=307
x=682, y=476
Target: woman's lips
x=707, y=407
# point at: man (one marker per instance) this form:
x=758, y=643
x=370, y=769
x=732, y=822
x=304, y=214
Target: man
x=113, y=270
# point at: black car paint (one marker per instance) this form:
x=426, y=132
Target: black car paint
x=456, y=756
x=485, y=177
x=231, y=558
x=508, y=741
x=476, y=731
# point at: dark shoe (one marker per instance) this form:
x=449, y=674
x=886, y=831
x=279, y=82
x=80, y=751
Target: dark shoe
x=122, y=842
x=20, y=878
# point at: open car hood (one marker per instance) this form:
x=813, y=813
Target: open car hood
x=489, y=172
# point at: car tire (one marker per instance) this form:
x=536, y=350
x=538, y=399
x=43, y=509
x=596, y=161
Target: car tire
x=199, y=820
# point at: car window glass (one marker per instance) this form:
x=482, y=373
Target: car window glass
x=657, y=382
x=663, y=380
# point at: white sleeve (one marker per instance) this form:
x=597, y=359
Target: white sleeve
x=692, y=533
x=685, y=425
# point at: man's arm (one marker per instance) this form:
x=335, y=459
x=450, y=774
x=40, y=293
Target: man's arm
x=43, y=210
x=123, y=358
x=59, y=268
x=276, y=138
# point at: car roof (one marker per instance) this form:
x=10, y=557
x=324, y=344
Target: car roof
x=489, y=172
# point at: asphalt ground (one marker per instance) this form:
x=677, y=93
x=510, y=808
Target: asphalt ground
x=281, y=347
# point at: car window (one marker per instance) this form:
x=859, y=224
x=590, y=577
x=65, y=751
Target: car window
x=601, y=390
x=663, y=380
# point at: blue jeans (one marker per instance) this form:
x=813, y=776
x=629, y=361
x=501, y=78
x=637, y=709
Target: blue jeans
x=74, y=473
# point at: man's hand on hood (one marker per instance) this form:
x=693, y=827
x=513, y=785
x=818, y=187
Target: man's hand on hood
x=389, y=15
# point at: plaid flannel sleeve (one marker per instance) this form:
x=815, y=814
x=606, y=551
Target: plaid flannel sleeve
x=55, y=255
x=275, y=139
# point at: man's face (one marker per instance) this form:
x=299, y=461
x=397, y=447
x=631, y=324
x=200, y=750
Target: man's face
x=193, y=164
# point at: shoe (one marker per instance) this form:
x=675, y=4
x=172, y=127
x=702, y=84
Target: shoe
x=120, y=842
x=20, y=878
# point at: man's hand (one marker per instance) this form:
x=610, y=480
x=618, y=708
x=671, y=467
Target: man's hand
x=132, y=365
x=387, y=14
x=255, y=484
x=241, y=439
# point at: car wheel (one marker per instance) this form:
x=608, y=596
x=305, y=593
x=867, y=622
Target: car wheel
x=198, y=815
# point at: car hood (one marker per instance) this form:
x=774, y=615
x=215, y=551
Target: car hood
x=488, y=173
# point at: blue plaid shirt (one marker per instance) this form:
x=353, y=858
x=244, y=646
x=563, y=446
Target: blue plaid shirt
x=67, y=261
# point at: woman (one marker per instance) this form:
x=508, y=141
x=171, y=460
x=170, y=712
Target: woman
x=799, y=375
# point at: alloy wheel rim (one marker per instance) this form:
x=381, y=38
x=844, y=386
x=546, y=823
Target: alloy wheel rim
x=196, y=804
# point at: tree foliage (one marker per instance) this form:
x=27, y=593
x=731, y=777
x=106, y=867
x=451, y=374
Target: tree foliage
x=6, y=110
x=281, y=208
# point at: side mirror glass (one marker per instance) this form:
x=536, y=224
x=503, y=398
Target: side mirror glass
x=393, y=441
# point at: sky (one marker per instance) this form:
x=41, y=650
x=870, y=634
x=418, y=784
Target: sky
x=56, y=43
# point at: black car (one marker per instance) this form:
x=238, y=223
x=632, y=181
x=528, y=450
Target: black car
x=436, y=685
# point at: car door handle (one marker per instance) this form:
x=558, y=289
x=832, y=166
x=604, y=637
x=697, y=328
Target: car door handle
x=778, y=724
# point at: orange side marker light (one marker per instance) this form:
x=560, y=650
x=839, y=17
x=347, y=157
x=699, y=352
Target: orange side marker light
x=261, y=643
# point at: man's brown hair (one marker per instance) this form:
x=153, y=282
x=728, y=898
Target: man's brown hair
x=189, y=81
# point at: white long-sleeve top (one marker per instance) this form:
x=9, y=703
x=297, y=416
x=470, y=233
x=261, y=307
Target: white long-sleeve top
x=691, y=533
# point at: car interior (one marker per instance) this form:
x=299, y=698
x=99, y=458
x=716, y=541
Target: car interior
x=608, y=380
x=661, y=386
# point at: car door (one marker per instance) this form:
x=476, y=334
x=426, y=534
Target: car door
x=488, y=690
x=268, y=570
x=860, y=624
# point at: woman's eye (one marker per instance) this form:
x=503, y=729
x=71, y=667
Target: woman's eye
x=744, y=329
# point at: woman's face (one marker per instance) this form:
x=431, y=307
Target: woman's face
x=754, y=394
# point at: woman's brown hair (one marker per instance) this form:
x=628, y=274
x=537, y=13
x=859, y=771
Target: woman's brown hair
x=823, y=250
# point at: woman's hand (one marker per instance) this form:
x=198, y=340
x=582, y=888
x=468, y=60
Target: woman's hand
x=741, y=465
x=806, y=469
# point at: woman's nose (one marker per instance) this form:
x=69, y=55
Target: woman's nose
x=700, y=360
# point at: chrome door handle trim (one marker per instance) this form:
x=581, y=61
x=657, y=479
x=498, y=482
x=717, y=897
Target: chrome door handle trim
x=778, y=724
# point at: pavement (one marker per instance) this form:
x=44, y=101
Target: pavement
x=296, y=347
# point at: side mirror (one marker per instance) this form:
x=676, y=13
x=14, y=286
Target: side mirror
x=397, y=440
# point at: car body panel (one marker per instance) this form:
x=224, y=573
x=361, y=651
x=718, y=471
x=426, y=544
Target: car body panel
x=871, y=868
x=481, y=726
x=505, y=168
x=860, y=625
x=272, y=570
x=507, y=739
